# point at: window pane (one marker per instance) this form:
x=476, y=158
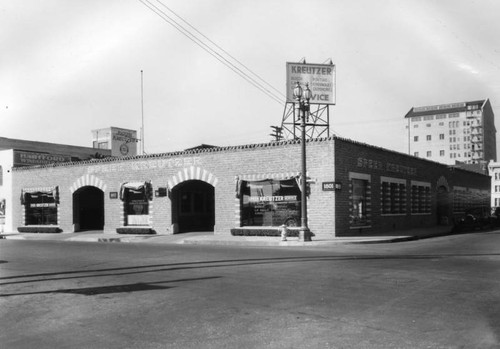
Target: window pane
x=270, y=203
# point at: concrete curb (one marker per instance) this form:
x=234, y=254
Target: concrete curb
x=202, y=239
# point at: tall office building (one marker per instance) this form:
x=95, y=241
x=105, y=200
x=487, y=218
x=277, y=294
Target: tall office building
x=457, y=133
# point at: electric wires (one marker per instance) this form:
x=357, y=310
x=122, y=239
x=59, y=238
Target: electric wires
x=193, y=34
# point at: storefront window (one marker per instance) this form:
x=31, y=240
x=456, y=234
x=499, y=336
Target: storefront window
x=420, y=198
x=41, y=208
x=360, y=199
x=270, y=202
x=393, y=193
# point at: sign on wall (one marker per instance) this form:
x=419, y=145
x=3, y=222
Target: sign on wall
x=23, y=158
x=123, y=142
x=320, y=77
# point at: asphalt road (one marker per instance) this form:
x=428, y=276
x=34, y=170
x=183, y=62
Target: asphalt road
x=434, y=293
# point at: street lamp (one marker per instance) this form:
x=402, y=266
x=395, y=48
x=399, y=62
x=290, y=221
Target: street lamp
x=302, y=98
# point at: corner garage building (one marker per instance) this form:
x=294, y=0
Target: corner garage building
x=354, y=189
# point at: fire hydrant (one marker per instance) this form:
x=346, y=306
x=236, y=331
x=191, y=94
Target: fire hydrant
x=284, y=232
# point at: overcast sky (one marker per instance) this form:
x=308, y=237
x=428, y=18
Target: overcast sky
x=70, y=66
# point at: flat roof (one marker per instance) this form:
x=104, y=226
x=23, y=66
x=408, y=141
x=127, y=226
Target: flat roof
x=442, y=108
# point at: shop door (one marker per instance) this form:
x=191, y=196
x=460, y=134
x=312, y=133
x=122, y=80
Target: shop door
x=443, y=206
x=88, y=209
x=193, y=206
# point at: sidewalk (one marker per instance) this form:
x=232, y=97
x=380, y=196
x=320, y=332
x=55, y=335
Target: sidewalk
x=208, y=238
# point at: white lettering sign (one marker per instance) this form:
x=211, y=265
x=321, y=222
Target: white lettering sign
x=320, y=77
x=150, y=164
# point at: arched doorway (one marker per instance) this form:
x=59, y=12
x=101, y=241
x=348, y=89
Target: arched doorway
x=443, y=205
x=193, y=206
x=88, y=209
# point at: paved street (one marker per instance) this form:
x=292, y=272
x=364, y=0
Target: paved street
x=434, y=293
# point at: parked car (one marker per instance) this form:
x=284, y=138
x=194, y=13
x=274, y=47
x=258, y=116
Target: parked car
x=475, y=218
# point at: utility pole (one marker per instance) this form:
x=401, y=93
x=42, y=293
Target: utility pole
x=142, y=114
x=278, y=133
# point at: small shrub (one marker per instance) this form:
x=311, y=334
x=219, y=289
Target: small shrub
x=262, y=232
x=39, y=230
x=134, y=230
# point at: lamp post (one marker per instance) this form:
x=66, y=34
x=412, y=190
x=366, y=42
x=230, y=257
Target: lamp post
x=302, y=98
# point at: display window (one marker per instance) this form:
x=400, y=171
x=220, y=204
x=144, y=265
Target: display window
x=40, y=206
x=136, y=197
x=270, y=202
x=360, y=192
x=420, y=198
x=393, y=196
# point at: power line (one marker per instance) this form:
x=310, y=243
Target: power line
x=220, y=48
x=210, y=50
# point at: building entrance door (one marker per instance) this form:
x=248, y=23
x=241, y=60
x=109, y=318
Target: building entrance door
x=193, y=206
x=443, y=206
x=88, y=209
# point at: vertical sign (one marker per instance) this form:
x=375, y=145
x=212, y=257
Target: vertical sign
x=320, y=77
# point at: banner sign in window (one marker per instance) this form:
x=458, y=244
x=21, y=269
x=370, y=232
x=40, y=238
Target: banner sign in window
x=270, y=203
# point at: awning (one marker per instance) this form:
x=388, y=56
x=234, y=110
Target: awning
x=53, y=191
x=265, y=177
x=137, y=186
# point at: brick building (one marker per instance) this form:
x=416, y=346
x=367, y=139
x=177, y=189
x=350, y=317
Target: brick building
x=354, y=189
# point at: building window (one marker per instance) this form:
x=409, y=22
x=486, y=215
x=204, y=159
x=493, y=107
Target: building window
x=420, y=198
x=103, y=145
x=393, y=194
x=40, y=206
x=441, y=153
x=429, y=153
x=415, y=138
x=270, y=202
x=136, y=197
x=441, y=136
x=429, y=137
x=360, y=189
x=415, y=153
x=460, y=199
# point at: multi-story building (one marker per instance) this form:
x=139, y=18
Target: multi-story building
x=453, y=133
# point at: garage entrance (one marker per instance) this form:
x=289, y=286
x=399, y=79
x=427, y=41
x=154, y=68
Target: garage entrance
x=193, y=206
x=88, y=209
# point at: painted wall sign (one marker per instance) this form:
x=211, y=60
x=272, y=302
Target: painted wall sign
x=386, y=166
x=22, y=158
x=150, y=164
x=320, y=77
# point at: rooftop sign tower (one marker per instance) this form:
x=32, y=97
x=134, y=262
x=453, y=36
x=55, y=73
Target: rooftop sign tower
x=321, y=80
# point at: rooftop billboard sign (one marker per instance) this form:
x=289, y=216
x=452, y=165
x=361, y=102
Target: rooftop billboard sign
x=320, y=77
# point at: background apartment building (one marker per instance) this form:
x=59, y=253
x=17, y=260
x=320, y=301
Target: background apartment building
x=453, y=133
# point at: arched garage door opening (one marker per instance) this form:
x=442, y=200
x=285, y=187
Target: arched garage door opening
x=88, y=209
x=193, y=206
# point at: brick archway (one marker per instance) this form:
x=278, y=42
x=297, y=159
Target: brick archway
x=88, y=180
x=192, y=173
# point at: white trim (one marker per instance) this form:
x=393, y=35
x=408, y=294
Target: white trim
x=357, y=175
x=420, y=184
x=392, y=180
